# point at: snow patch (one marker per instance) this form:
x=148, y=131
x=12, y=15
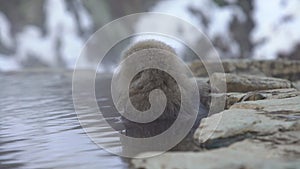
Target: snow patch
x=32, y=43
x=219, y=21
x=85, y=20
x=5, y=34
x=61, y=29
x=277, y=27
x=8, y=63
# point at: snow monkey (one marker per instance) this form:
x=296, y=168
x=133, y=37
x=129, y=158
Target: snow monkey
x=150, y=79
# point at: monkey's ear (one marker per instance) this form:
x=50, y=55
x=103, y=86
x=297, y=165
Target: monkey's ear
x=147, y=44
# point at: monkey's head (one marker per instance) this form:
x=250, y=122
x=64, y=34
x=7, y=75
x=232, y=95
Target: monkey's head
x=147, y=44
x=148, y=80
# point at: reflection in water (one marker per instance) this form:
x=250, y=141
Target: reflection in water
x=39, y=127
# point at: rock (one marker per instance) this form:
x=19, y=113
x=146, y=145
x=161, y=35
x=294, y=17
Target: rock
x=235, y=97
x=198, y=68
x=245, y=154
x=260, y=117
x=237, y=122
x=273, y=106
x=271, y=94
x=260, y=129
x=246, y=83
x=287, y=69
x=204, y=91
x=289, y=137
x=297, y=85
x=203, y=84
x=230, y=66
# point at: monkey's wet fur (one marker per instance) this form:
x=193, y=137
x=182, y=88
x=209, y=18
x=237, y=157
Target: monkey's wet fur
x=147, y=80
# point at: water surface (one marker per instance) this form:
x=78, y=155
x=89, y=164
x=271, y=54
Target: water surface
x=39, y=127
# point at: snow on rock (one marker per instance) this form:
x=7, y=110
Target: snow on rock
x=61, y=45
x=218, y=25
x=277, y=27
x=5, y=34
x=85, y=20
x=276, y=30
x=174, y=8
x=62, y=23
x=8, y=64
x=32, y=43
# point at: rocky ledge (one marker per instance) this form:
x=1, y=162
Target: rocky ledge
x=259, y=128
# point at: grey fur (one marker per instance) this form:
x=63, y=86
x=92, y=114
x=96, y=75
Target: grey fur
x=147, y=44
x=147, y=80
